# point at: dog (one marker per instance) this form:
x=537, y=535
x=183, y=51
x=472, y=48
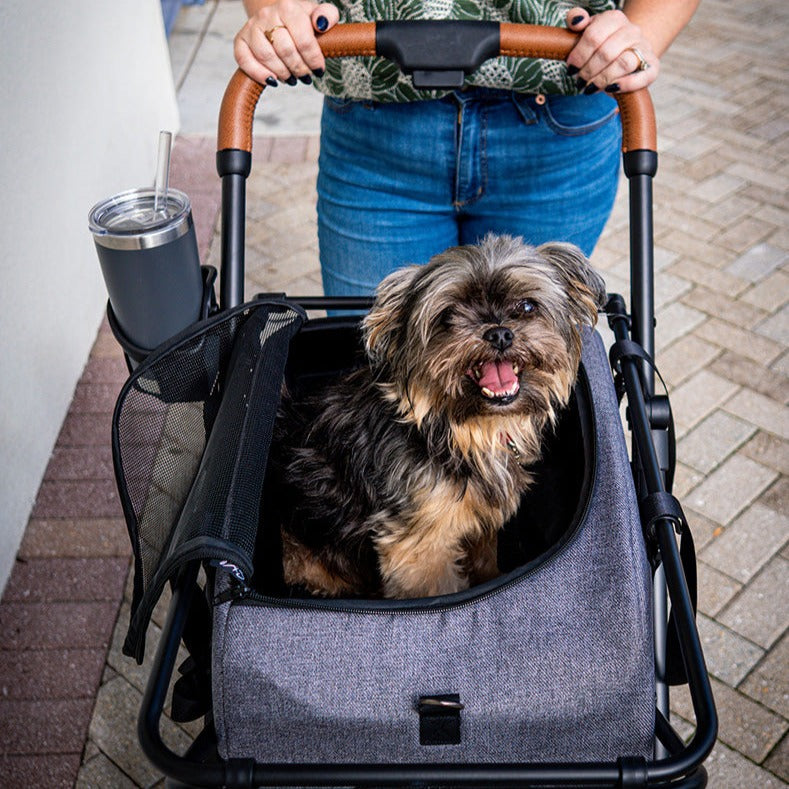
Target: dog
x=395, y=480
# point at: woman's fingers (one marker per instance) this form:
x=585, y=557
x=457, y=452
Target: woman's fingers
x=577, y=19
x=295, y=43
x=611, y=53
x=620, y=55
x=278, y=43
x=631, y=76
x=255, y=54
x=636, y=81
x=324, y=16
x=288, y=38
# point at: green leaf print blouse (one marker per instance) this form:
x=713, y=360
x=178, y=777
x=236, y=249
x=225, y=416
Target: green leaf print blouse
x=378, y=79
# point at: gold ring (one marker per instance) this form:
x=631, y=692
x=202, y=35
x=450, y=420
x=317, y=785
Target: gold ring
x=269, y=34
x=642, y=61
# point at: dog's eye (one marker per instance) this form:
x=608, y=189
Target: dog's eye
x=525, y=307
x=445, y=318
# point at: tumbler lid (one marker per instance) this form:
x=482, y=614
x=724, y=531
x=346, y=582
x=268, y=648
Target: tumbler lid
x=128, y=220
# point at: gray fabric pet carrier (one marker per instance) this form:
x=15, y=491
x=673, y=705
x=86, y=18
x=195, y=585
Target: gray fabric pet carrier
x=552, y=661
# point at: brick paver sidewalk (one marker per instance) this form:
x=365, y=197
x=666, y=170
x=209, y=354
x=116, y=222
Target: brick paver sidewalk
x=69, y=699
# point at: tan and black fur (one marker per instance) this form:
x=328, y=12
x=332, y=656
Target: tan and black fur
x=395, y=481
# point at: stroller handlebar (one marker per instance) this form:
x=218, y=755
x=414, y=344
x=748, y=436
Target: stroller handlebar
x=455, y=48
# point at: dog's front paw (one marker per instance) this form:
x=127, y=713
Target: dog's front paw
x=425, y=581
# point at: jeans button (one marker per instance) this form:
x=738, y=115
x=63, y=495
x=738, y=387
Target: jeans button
x=539, y=98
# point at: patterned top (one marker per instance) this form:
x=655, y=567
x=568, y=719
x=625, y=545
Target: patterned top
x=379, y=79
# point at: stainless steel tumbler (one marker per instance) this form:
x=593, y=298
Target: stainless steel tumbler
x=149, y=260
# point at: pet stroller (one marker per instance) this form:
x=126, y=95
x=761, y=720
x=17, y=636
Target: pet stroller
x=554, y=674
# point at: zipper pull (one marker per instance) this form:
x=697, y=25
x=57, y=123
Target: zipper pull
x=229, y=567
x=235, y=591
x=238, y=588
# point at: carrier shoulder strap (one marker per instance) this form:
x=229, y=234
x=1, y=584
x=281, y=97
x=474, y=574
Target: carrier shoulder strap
x=664, y=506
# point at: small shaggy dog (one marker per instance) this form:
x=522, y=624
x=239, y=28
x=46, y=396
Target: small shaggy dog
x=395, y=480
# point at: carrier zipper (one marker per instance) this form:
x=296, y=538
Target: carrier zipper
x=241, y=592
x=252, y=597
x=237, y=588
x=238, y=593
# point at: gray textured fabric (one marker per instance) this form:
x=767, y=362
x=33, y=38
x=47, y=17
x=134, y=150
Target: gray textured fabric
x=557, y=665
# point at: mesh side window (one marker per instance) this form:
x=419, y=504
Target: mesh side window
x=191, y=433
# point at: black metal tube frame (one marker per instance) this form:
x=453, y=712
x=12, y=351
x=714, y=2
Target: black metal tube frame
x=231, y=278
x=646, y=465
x=640, y=168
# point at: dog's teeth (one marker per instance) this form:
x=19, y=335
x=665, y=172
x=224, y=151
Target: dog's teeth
x=487, y=392
x=516, y=368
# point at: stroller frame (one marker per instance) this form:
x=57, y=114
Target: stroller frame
x=438, y=54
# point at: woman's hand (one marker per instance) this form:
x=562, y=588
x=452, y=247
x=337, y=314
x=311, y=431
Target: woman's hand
x=612, y=54
x=278, y=41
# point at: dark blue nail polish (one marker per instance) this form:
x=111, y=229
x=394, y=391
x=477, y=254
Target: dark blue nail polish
x=612, y=88
x=580, y=83
x=590, y=89
x=318, y=72
x=576, y=20
x=572, y=70
x=306, y=79
x=291, y=80
x=271, y=82
x=322, y=23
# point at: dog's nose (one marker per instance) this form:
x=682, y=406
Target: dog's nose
x=499, y=337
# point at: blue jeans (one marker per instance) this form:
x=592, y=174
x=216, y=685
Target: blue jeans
x=399, y=183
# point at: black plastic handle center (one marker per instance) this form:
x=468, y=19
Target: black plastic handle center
x=437, y=53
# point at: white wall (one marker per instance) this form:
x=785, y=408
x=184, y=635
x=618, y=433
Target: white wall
x=85, y=87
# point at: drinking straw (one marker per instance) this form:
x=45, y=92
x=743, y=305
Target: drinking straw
x=161, y=183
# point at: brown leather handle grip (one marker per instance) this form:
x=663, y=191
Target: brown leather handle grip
x=358, y=39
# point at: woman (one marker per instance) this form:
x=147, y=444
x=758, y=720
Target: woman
x=528, y=148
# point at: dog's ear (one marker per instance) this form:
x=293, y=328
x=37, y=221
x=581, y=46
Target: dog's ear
x=585, y=287
x=387, y=318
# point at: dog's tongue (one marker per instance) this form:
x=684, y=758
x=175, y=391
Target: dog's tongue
x=497, y=376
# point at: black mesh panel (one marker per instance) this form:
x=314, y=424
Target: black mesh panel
x=186, y=422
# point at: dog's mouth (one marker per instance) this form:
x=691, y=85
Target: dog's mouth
x=497, y=380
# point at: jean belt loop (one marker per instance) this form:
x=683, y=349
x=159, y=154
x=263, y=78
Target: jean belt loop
x=526, y=105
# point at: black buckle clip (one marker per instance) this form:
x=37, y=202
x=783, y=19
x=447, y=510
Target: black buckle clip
x=439, y=719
